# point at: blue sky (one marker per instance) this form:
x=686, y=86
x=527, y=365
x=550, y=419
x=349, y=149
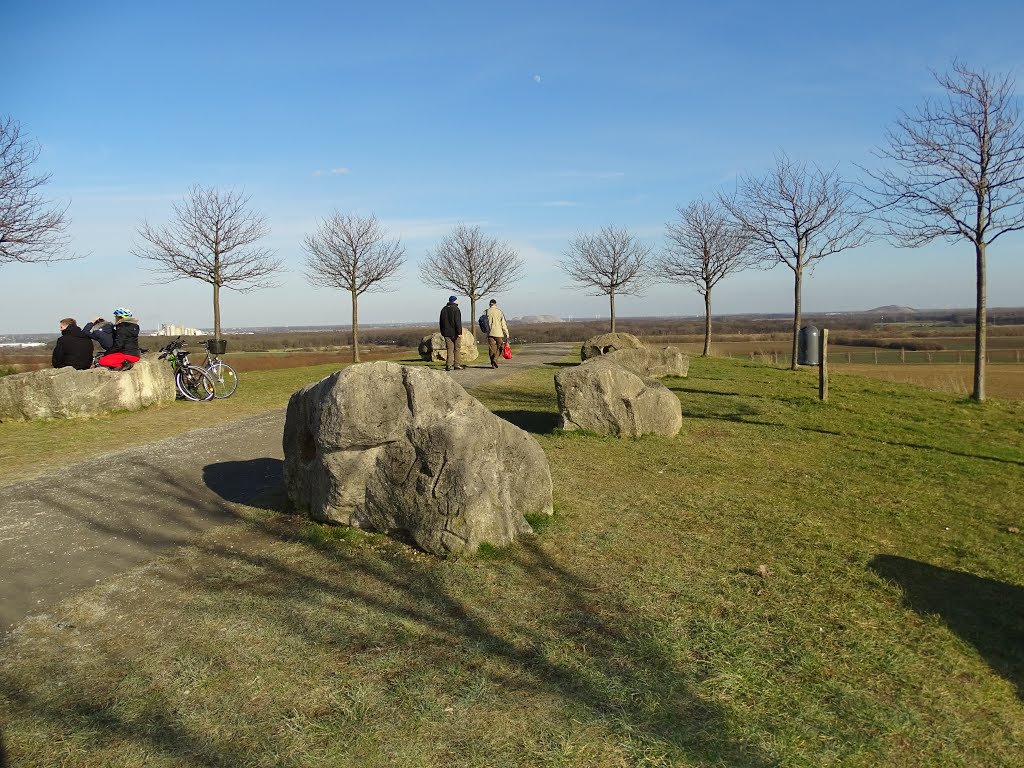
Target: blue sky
x=533, y=120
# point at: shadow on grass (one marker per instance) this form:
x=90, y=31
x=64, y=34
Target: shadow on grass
x=986, y=613
x=562, y=365
x=744, y=415
x=564, y=641
x=535, y=422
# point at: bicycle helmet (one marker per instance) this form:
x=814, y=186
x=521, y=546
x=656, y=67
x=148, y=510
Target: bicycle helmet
x=122, y=312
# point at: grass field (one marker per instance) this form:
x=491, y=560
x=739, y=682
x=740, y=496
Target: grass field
x=785, y=583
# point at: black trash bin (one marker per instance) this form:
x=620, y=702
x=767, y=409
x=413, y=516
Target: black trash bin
x=808, y=346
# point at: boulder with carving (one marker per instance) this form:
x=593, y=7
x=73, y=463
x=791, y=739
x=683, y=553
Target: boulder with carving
x=406, y=451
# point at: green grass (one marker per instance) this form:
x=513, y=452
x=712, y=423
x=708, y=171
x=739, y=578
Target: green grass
x=786, y=582
x=28, y=448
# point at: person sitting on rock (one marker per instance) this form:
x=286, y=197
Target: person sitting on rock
x=101, y=331
x=124, y=352
x=74, y=347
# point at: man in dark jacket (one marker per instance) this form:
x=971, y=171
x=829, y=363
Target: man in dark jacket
x=451, y=329
x=74, y=347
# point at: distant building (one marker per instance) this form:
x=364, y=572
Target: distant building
x=22, y=344
x=179, y=330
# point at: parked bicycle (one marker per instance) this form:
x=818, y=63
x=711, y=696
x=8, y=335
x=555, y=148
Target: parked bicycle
x=224, y=375
x=193, y=382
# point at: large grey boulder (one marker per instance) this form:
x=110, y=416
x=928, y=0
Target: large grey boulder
x=398, y=448
x=608, y=342
x=603, y=397
x=66, y=393
x=432, y=348
x=650, y=362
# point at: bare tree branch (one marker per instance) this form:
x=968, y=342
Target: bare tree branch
x=609, y=262
x=352, y=253
x=704, y=246
x=212, y=238
x=472, y=264
x=32, y=230
x=797, y=215
x=955, y=170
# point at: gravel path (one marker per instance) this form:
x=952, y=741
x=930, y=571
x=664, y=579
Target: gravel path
x=63, y=531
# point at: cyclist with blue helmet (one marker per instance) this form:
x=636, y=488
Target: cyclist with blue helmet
x=124, y=352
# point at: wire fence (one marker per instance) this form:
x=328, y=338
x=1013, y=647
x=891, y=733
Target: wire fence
x=894, y=356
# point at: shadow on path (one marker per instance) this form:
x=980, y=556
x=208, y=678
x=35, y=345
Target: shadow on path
x=986, y=613
x=241, y=481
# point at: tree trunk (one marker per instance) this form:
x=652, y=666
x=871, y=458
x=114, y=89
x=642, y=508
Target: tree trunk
x=611, y=304
x=472, y=320
x=980, y=345
x=216, y=311
x=797, y=275
x=707, y=322
x=355, y=327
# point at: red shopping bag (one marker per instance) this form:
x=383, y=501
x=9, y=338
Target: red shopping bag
x=506, y=352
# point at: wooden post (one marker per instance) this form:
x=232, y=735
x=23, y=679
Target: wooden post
x=823, y=367
x=903, y=355
x=876, y=357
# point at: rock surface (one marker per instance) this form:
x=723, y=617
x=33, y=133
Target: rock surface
x=652, y=363
x=603, y=397
x=66, y=393
x=396, y=448
x=432, y=348
x=608, y=342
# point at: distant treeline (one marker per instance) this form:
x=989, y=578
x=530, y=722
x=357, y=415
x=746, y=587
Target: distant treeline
x=867, y=329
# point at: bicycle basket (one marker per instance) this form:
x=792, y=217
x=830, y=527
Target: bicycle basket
x=216, y=346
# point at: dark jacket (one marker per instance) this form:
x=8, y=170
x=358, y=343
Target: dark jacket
x=451, y=321
x=104, y=334
x=126, y=339
x=74, y=348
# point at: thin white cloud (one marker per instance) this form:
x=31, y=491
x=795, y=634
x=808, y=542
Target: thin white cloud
x=537, y=78
x=560, y=204
x=332, y=172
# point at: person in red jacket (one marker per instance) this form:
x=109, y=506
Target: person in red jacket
x=125, y=351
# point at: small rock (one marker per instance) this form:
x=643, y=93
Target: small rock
x=1012, y=529
x=764, y=571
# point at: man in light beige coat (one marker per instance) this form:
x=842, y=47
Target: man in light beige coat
x=497, y=336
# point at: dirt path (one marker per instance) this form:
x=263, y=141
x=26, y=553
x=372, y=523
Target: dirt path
x=63, y=531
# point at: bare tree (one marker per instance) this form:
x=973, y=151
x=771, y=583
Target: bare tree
x=956, y=172
x=472, y=263
x=611, y=262
x=704, y=246
x=354, y=254
x=212, y=238
x=32, y=229
x=797, y=215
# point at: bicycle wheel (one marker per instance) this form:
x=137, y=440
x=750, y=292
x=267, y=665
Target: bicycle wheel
x=195, y=383
x=225, y=378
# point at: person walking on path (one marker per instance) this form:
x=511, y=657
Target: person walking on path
x=125, y=351
x=497, y=336
x=451, y=329
x=74, y=347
